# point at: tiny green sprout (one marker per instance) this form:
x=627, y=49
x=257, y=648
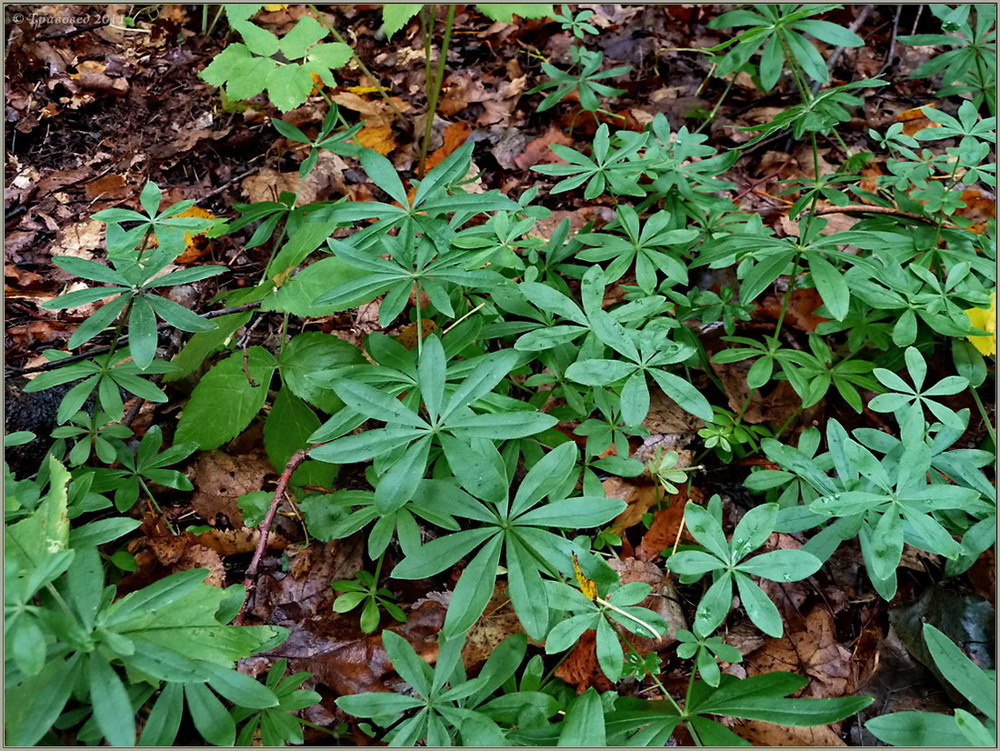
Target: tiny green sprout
x=705, y=651
x=363, y=588
x=663, y=466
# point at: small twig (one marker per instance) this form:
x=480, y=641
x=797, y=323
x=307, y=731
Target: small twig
x=227, y=183
x=867, y=209
x=839, y=51
x=250, y=579
x=890, y=56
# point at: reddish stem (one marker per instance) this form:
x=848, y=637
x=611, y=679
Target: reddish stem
x=250, y=580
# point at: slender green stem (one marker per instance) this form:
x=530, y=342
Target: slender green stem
x=653, y=634
x=715, y=110
x=215, y=20
x=364, y=68
x=434, y=92
x=985, y=415
x=420, y=319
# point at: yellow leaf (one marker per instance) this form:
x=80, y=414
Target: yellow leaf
x=273, y=7
x=378, y=138
x=985, y=320
x=587, y=586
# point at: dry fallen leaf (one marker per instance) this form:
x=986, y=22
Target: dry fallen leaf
x=640, y=497
x=581, y=669
x=812, y=650
x=766, y=734
x=662, y=533
x=454, y=136
x=538, y=151
x=220, y=479
x=378, y=138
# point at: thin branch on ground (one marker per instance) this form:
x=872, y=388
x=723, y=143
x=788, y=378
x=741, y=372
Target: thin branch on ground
x=250, y=580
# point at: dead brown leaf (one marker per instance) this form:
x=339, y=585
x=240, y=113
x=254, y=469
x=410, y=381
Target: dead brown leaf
x=581, y=669
x=454, y=136
x=497, y=622
x=640, y=497
x=109, y=187
x=378, y=138
x=812, y=650
x=323, y=182
x=220, y=479
x=538, y=152
x=662, y=533
x=761, y=733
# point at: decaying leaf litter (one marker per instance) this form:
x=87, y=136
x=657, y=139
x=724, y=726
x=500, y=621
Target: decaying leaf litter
x=93, y=114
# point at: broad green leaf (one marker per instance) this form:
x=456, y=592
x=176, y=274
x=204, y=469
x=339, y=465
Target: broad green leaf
x=209, y=715
x=584, y=723
x=203, y=344
x=917, y=729
x=225, y=401
x=506, y=11
x=46, y=531
x=286, y=430
x=394, y=17
x=312, y=352
x=971, y=681
x=112, y=708
x=34, y=705
x=297, y=296
x=759, y=607
x=474, y=589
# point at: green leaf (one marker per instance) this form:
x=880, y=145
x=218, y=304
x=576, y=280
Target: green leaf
x=394, y=17
x=763, y=274
x=289, y=86
x=474, y=589
x=714, y=605
x=286, y=430
x=917, y=729
x=411, y=668
x=331, y=55
x=548, y=474
x=599, y=372
x=971, y=681
x=203, y=344
x=112, y=708
x=525, y=589
x=312, y=352
x=46, y=531
x=377, y=705
x=505, y=12
x=298, y=294
x=32, y=706
x=684, y=393
x=694, y=562
x=760, y=698
x=165, y=718
x=303, y=240
x=209, y=715
x=239, y=688
x=584, y=723
x=225, y=402
x=831, y=285
x=759, y=607
x=303, y=35
x=782, y=565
